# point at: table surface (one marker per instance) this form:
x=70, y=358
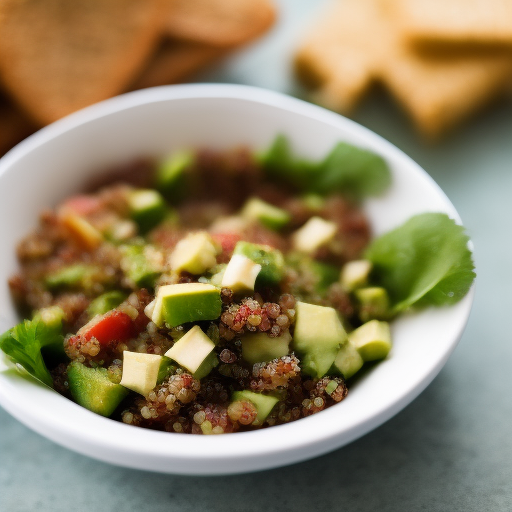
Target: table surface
x=451, y=449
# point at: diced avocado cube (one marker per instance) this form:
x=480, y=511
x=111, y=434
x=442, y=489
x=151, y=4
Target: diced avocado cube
x=269, y=215
x=170, y=173
x=147, y=208
x=72, y=276
x=263, y=403
x=270, y=259
x=240, y=274
x=373, y=303
x=372, y=340
x=141, y=264
x=106, y=302
x=354, y=274
x=260, y=347
x=313, y=235
x=195, y=253
x=348, y=360
x=176, y=304
x=191, y=350
x=209, y=363
x=317, y=337
x=140, y=371
x=91, y=388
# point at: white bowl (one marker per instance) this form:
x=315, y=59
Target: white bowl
x=56, y=161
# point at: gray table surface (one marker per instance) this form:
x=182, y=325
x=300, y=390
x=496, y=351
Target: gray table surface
x=450, y=450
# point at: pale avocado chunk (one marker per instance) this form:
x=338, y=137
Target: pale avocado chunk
x=240, y=274
x=372, y=340
x=106, y=302
x=270, y=259
x=373, y=303
x=269, y=215
x=315, y=233
x=91, y=388
x=171, y=172
x=138, y=266
x=263, y=403
x=147, y=208
x=355, y=274
x=195, y=254
x=348, y=360
x=317, y=338
x=260, y=347
x=140, y=371
x=176, y=304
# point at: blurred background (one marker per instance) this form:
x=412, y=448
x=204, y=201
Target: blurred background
x=434, y=78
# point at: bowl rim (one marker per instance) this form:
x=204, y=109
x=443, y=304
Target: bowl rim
x=255, y=450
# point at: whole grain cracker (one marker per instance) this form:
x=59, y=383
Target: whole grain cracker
x=175, y=61
x=57, y=56
x=219, y=22
x=455, y=21
x=358, y=43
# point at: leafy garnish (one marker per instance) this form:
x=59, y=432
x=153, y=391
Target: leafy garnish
x=23, y=345
x=426, y=261
x=347, y=169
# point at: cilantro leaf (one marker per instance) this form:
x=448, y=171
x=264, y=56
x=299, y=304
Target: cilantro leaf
x=347, y=169
x=23, y=345
x=425, y=261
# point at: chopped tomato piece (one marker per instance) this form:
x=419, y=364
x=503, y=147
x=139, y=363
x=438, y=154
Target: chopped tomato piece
x=114, y=325
x=227, y=241
x=82, y=204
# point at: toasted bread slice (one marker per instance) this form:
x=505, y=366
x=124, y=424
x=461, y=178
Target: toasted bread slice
x=176, y=61
x=219, y=22
x=57, y=56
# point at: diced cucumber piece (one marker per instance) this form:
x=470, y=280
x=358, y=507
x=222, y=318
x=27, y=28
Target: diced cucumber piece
x=209, y=363
x=373, y=303
x=269, y=215
x=313, y=235
x=195, y=253
x=72, y=276
x=240, y=274
x=141, y=264
x=270, y=259
x=147, y=208
x=317, y=337
x=372, y=340
x=348, y=360
x=263, y=403
x=170, y=174
x=176, y=304
x=91, y=388
x=106, y=302
x=191, y=350
x=52, y=346
x=140, y=371
x=354, y=274
x=260, y=347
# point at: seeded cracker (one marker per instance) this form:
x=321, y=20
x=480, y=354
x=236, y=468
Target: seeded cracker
x=219, y=22
x=57, y=56
x=358, y=43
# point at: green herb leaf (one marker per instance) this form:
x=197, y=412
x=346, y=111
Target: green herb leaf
x=425, y=261
x=347, y=169
x=23, y=345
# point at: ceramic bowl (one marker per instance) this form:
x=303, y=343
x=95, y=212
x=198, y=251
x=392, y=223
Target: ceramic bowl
x=59, y=159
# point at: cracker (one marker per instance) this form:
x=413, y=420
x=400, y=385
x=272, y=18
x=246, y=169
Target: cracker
x=358, y=43
x=14, y=125
x=176, y=61
x=57, y=56
x=456, y=21
x=219, y=22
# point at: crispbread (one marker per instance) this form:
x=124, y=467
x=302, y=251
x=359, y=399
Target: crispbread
x=359, y=43
x=219, y=22
x=175, y=61
x=57, y=56
x=14, y=125
x=455, y=21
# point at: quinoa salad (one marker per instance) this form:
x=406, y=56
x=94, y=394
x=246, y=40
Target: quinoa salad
x=212, y=292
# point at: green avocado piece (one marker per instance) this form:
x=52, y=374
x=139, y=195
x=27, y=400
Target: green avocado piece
x=106, y=302
x=72, y=276
x=177, y=304
x=147, y=208
x=91, y=388
x=348, y=360
x=270, y=259
x=209, y=363
x=372, y=340
x=138, y=268
x=260, y=347
x=354, y=274
x=373, y=303
x=171, y=174
x=318, y=337
x=269, y=215
x=264, y=403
